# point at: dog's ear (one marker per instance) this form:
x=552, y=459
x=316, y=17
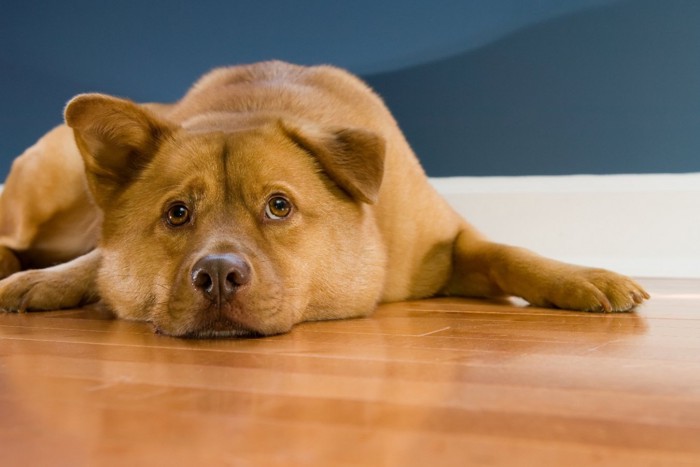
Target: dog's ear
x=116, y=138
x=352, y=157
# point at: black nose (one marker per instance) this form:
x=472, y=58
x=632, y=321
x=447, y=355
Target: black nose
x=219, y=276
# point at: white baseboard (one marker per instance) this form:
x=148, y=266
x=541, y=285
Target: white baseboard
x=641, y=225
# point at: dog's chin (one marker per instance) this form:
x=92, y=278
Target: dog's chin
x=221, y=323
x=221, y=334
x=210, y=331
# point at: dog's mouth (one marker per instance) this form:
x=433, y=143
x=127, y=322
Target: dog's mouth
x=214, y=327
x=220, y=334
x=229, y=320
x=209, y=332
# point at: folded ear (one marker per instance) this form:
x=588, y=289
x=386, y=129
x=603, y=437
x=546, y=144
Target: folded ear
x=352, y=157
x=117, y=139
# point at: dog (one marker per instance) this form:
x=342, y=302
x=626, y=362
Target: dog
x=269, y=195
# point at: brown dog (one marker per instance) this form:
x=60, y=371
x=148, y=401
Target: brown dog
x=269, y=195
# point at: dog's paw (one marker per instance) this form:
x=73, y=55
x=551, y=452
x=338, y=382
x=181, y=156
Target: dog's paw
x=588, y=289
x=40, y=289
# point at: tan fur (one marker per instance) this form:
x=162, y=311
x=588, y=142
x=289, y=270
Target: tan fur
x=365, y=226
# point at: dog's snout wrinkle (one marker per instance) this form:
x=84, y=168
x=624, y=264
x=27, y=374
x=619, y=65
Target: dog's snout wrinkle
x=219, y=276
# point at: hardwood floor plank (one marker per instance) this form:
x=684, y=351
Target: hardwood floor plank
x=438, y=382
x=258, y=425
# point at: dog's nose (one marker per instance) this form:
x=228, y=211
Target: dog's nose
x=218, y=276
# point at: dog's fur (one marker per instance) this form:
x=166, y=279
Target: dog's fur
x=269, y=195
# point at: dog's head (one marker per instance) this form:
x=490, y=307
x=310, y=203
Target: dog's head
x=229, y=226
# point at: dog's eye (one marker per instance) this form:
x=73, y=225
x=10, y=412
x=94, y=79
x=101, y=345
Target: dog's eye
x=177, y=215
x=278, y=207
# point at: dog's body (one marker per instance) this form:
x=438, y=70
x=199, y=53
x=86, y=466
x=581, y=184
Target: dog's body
x=269, y=195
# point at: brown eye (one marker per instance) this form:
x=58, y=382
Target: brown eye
x=177, y=215
x=278, y=207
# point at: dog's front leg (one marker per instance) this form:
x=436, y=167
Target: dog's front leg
x=66, y=285
x=487, y=269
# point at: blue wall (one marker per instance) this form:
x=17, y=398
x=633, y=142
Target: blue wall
x=481, y=87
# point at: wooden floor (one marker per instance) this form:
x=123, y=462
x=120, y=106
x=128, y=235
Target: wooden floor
x=431, y=383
